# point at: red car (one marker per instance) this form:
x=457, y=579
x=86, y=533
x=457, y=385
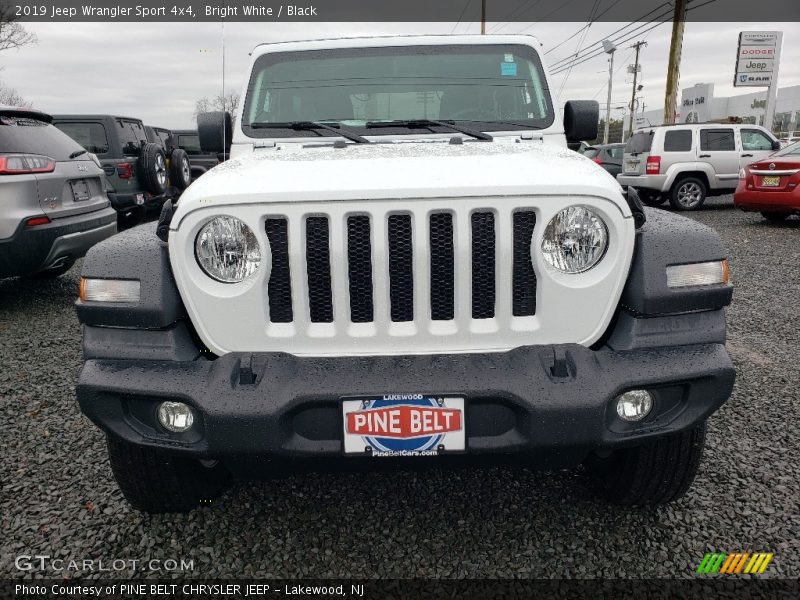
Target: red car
x=772, y=185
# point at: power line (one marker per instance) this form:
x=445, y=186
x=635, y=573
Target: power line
x=585, y=27
x=578, y=47
x=461, y=16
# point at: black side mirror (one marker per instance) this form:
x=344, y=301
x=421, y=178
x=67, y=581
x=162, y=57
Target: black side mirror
x=776, y=145
x=581, y=120
x=215, y=130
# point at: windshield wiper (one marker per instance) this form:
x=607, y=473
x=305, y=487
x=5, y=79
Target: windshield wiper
x=77, y=153
x=428, y=123
x=311, y=126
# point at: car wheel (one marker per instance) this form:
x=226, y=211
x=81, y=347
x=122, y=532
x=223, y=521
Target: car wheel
x=54, y=272
x=180, y=169
x=655, y=472
x=688, y=193
x=775, y=217
x=156, y=482
x=153, y=169
x=652, y=198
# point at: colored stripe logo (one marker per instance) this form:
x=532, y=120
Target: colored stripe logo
x=734, y=564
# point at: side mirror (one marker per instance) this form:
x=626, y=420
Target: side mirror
x=776, y=145
x=581, y=120
x=215, y=130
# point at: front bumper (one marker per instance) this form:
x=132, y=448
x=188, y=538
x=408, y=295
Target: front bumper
x=129, y=200
x=33, y=249
x=556, y=402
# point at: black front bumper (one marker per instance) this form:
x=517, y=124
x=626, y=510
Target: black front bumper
x=556, y=402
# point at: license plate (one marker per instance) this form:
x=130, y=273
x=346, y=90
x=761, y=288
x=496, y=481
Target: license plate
x=631, y=166
x=772, y=181
x=403, y=425
x=139, y=199
x=80, y=190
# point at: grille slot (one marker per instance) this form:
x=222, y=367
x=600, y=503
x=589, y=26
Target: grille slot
x=318, y=269
x=359, y=269
x=279, y=286
x=483, y=265
x=442, y=265
x=524, y=278
x=401, y=268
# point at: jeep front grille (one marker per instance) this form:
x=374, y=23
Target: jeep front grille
x=439, y=253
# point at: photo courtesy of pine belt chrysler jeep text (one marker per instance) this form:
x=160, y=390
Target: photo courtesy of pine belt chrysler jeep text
x=403, y=259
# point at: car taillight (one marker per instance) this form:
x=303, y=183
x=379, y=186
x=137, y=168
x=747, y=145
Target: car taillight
x=597, y=160
x=21, y=164
x=742, y=173
x=125, y=170
x=653, y=165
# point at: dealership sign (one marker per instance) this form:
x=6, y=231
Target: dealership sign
x=756, y=57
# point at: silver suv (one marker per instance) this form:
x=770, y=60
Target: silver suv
x=686, y=163
x=54, y=207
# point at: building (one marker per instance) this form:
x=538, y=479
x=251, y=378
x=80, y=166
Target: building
x=699, y=105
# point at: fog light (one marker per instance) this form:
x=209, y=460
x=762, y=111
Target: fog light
x=634, y=405
x=175, y=416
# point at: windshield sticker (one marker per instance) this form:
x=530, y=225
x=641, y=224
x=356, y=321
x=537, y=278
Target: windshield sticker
x=509, y=58
x=508, y=69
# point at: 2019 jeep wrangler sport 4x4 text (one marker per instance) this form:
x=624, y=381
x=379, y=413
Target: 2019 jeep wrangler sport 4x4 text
x=402, y=258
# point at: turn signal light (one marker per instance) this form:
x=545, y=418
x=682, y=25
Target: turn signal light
x=109, y=290
x=125, y=170
x=704, y=273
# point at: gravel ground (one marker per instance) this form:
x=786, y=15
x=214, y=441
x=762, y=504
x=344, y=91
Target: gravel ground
x=59, y=498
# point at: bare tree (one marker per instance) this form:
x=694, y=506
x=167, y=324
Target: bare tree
x=12, y=34
x=228, y=102
x=10, y=97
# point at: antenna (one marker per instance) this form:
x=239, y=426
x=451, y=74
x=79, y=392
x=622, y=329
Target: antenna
x=224, y=120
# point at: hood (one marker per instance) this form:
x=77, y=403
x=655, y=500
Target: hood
x=405, y=169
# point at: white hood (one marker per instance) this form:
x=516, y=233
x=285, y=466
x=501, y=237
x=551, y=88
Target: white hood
x=407, y=169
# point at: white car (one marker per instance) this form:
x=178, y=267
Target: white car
x=403, y=259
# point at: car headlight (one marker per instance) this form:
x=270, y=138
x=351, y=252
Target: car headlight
x=575, y=240
x=227, y=250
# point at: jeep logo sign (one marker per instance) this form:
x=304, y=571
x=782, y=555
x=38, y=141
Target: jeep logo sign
x=756, y=57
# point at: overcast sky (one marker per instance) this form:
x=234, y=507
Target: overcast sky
x=156, y=71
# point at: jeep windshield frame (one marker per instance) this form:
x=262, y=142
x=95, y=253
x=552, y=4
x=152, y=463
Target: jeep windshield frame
x=483, y=87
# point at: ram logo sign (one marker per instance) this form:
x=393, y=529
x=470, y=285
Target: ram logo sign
x=756, y=57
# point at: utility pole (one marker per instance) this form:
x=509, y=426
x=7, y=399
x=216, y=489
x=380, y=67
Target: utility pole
x=637, y=47
x=609, y=48
x=674, y=68
x=483, y=17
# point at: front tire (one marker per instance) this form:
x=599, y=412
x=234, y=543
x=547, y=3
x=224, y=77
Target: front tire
x=656, y=472
x=775, y=217
x=156, y=482
x=652, y=198
x=688, y=193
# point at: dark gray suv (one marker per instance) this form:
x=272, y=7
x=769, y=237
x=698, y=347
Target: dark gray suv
x=54, y=207
x=136, y=169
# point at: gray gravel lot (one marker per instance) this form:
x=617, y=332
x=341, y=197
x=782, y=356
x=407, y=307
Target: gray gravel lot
x=58, y=496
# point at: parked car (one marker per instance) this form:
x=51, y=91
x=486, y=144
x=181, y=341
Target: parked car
x=53, y=207
x=404, y=278
x=687, y=163
x=178, y=167
x=608, y=156
x=201, y=161
x=135, y=168
x=771, y=186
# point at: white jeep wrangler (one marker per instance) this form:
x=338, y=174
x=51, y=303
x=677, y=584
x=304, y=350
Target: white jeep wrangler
x=403, y=259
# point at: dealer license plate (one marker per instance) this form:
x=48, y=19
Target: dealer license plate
x=403, y=425
x=771, y=181
x=80, y=190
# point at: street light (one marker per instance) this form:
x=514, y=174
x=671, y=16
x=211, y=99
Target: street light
x=609, y=48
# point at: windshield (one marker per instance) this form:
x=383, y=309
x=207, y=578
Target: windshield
x=491, y=87
x=793, y=150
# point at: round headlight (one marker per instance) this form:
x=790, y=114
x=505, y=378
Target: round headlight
x=575, y=240
x=227, y=250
